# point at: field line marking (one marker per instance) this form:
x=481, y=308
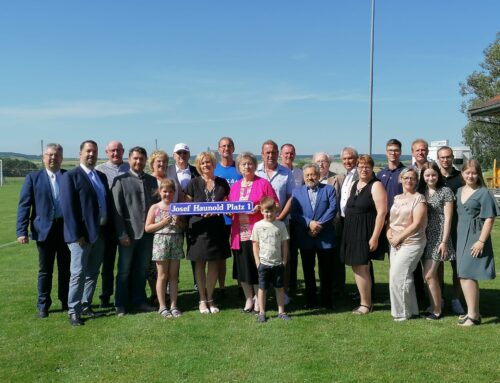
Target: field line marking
x=7, y=244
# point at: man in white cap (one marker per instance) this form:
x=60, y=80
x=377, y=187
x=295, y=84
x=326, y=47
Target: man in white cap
x=183, y=172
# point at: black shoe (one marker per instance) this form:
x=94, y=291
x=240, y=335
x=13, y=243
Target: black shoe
x=74, y=320
x=43, y=314
x=105, y=303
x=64, y=306
x=88, y=312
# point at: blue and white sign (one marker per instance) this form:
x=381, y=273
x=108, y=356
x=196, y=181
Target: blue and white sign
x=198, y=208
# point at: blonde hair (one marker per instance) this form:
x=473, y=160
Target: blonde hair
x=157, y=154
x=200, y=157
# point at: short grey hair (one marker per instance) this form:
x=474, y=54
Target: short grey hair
x=311, y=165
x=324, y=154
x=245, y=156
x=56, y=147
x=350, y=149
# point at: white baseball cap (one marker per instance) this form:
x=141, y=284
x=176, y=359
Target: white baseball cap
x=181, y=146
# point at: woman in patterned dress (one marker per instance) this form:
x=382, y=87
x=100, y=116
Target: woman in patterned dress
x=439, y=244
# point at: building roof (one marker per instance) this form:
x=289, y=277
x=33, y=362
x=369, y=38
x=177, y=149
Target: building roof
x=489, y=108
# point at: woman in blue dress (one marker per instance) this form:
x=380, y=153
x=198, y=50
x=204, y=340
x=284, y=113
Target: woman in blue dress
x=477, y=210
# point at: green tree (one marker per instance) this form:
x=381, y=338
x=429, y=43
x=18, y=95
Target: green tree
x=13, y=167
x=483, y=136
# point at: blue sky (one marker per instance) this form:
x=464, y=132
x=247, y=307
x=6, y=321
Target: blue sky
x=193, y=71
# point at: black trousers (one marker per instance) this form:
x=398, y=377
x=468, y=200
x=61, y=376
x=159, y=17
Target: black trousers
x=49, y=250
x=108, y=268
x=325, y=270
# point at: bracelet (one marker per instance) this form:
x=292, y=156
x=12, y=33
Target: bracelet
x=480, y=241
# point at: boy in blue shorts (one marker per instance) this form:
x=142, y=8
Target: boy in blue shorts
x=270, y=249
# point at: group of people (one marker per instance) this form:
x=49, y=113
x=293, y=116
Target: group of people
x=420, y=215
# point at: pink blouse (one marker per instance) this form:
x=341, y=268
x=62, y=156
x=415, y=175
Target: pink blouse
x=260, y=188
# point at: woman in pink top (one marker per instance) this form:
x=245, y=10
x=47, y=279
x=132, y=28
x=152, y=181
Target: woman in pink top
x=249, y=188
x=406, y=235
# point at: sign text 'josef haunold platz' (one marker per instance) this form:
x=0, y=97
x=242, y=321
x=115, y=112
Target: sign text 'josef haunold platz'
x=194, y=208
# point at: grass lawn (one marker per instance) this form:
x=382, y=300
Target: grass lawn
x=316, y=346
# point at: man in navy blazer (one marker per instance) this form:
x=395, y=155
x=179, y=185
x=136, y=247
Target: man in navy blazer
x=85, y=200
x=39, y=209
x=314, y=206
x=183, y=172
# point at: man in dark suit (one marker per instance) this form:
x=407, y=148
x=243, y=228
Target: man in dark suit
x=133, y=194
x=40, y=209
x=85, y=199
x=183, y=172
x=314, y=206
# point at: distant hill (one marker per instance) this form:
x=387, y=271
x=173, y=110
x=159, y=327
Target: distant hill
x=20, y=156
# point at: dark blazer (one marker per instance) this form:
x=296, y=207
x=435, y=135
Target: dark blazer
x=172, y=173
x=36, y=206
x=324, y=212
x=80, y=206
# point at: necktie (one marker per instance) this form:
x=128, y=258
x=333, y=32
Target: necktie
x=57, y=206
x=100, y=195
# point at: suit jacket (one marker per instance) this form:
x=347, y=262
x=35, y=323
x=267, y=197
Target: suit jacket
x=36, y=206
x=172, y=172
x=302, y=214
x=132, y=197
x=80, y=206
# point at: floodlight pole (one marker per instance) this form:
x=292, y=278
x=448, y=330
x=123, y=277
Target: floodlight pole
x=370, y=118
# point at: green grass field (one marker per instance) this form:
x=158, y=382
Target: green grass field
x=316, y=346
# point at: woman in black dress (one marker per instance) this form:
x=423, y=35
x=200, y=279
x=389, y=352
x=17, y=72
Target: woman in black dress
x=207, y=242
x=365, y=213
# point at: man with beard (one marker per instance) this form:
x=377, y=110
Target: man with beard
x=85, y=200
x=313, y=208
x=133, y=194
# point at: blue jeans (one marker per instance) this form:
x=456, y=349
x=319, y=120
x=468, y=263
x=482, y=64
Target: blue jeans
x=133, y=264
x=85, y=263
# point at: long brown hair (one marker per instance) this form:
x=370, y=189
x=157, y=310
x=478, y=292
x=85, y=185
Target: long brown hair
x=477, y=167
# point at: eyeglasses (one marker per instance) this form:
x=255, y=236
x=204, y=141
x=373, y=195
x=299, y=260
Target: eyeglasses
x=182, y=152
x=393, y=150
x=364, y=167
x=407, y=179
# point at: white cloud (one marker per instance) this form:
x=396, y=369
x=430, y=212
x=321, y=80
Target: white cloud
x=77, y=109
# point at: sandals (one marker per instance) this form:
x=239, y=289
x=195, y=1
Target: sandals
x=359, y=311
x=165, y=313
x=176, y=313
x=213, y=309
x=467, y=321
x=205, y=309
x=432, y=316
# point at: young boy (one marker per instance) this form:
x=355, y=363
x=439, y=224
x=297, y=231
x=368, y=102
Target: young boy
x=270, y=249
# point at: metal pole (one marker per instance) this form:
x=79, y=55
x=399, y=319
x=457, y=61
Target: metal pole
x=372, y=42
x=1, y=173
